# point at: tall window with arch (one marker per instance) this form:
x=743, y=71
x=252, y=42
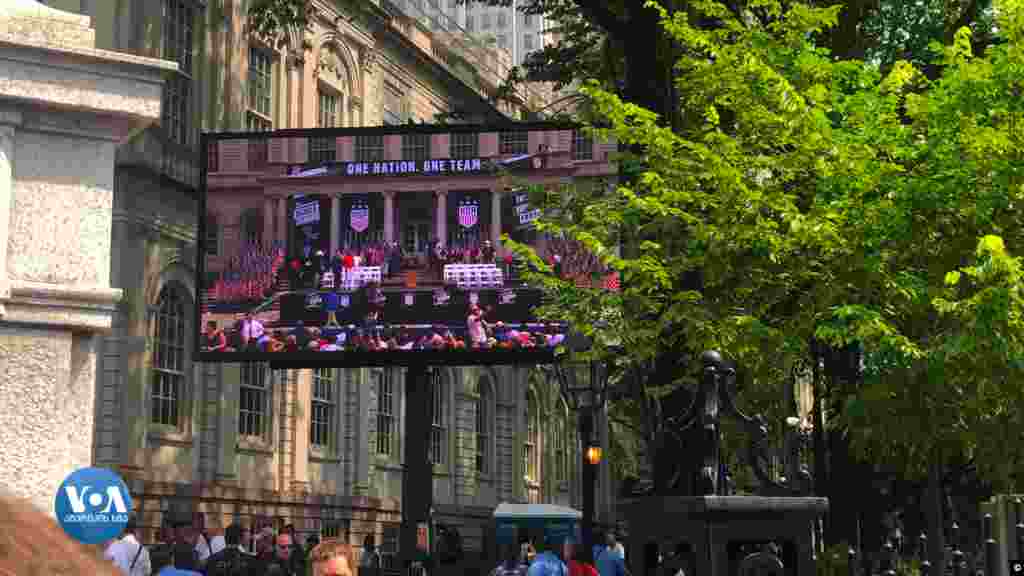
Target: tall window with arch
x=387, y=408
x=483, y=423
x=561, y=442
x=178, y=18
x=530, y=447
x=167, y=395
x=439, y=418
x=254, y=393
x=324, y=410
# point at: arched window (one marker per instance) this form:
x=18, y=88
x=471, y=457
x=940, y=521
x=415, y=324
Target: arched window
x=483, y=419
x=254, y=396
x=387, y=412
x=439, y=418
x=530, y=455
x=324, y=410
x=169, y=383
x=561, y=442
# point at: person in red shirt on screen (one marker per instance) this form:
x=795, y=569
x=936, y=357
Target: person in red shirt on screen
x=215, y=341
x=577, y=566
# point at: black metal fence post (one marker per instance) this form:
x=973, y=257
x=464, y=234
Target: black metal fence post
x=851, y=562
x=922, y=553
x=957, y=555
x=1018, y=536
x=889, y=555
x=991, y=549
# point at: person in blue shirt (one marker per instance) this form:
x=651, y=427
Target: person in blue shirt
x=547, y=562
x=163, y=564
x=331, y=306
x=610, y=561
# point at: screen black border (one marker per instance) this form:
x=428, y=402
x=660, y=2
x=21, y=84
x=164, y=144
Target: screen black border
x=353, y=359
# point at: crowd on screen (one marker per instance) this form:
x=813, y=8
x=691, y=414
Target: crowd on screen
x=256, y=274
x=250, y=276
x=249, y=334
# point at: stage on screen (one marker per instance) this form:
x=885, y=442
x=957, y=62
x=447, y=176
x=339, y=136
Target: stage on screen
x=383, y=246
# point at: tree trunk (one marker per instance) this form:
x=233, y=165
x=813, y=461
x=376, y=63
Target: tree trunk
x=650, y=57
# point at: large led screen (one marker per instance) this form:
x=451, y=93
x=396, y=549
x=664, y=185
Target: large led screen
x=383, y=246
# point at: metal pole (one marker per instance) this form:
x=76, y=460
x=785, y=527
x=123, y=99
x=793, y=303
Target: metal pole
x=957, y=555
x=991, y=548
x=922, y=553
x=589, y=477
x=1018, y=536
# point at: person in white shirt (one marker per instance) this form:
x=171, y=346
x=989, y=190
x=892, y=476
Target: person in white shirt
x=206, y=546
x=128, y=554
x=252, y=331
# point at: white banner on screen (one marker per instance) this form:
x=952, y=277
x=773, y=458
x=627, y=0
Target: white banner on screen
x=528, y=216
x=307, y=213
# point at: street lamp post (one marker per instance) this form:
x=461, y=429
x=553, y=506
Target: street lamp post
x=584, y=387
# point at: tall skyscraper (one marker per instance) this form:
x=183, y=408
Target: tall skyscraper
x=507, y=27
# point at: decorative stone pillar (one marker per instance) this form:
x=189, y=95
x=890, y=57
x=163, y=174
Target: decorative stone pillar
x=227, y=424
x=6, y=192
x=282, y=222
x=389, y=216
x=296, y=66
x=335, y=224
x=56, y=209
x=496, y=219
x=268, y=222
x=360, y=384
x=301, y=418
x=441, y=217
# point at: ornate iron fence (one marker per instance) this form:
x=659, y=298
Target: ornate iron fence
x=986, y=561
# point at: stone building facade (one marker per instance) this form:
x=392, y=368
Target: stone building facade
x=319, y=449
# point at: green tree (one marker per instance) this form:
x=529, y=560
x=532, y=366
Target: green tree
x=823, y=200
x=715, y=198
x=944, y=161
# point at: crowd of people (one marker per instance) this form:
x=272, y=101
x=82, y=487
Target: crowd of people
x=249, y=277
x=561, y=557
x=249, y=334
x=33, y=543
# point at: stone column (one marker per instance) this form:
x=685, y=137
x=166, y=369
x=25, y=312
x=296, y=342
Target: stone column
x=335, y=224
x=268, y=222
x=227, y=424
x=300, y=445
x=496, y=219
x=6, y=190
x=389, y=216
x=441, y=217
x=295, y=67
x=365, y=428
x=282, y=221
x=56, y=213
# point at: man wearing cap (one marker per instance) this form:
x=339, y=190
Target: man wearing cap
x=547, y=563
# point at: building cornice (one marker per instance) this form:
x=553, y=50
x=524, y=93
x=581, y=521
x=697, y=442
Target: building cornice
x=173, y=231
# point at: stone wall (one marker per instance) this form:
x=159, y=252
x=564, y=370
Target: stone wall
x=64, y=108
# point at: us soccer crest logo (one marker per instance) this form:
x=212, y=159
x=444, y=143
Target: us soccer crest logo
x=468, y=215
x=359, y=218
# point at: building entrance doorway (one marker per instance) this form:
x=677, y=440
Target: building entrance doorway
x=416, y=238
